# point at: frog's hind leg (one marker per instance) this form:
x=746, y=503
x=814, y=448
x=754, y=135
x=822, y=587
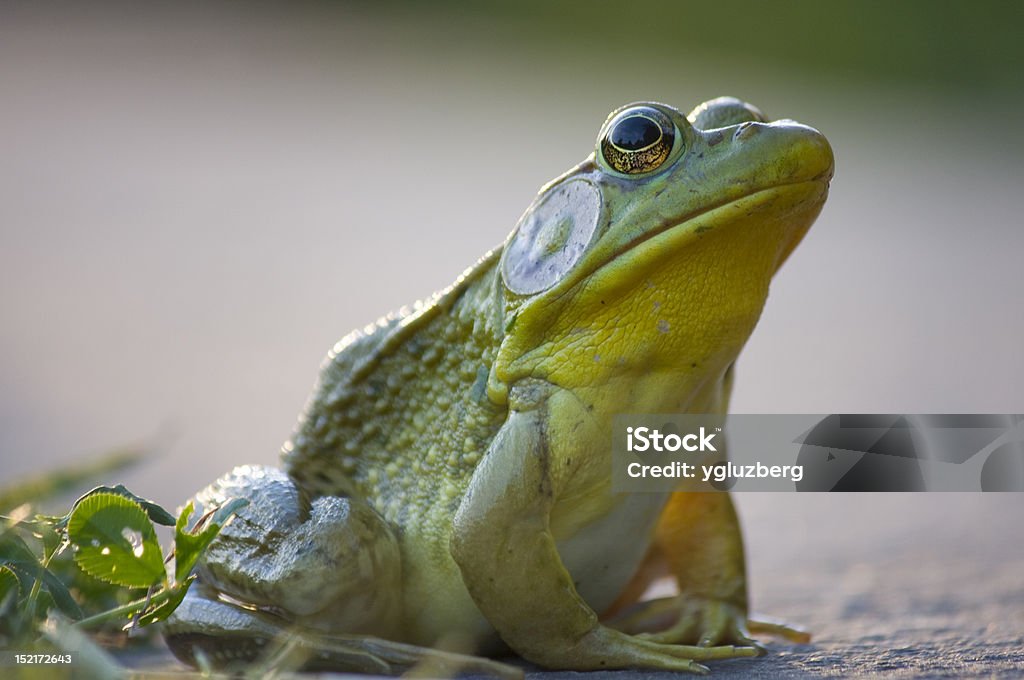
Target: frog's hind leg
x=699, y=543
x=283, y=563
x=332, y=563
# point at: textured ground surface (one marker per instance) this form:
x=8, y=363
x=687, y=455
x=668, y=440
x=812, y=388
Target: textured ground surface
x=907, y=585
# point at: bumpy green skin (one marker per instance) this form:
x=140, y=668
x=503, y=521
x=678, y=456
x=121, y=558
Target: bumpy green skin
x=401, y=388
x=451, y=472
x=418, y=387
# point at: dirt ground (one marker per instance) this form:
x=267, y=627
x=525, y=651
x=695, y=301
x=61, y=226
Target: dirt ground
x=908, y=585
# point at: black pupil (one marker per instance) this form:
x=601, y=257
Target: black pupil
x=635, y=133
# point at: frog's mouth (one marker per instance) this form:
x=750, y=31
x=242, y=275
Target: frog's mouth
x=786, y=210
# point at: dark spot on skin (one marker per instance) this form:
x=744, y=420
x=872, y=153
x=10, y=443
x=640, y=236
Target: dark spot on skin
x=693, y=365
x=700, y=155
x=544, y=487
x=716, y=138
x=602, y=302
x=701, y=229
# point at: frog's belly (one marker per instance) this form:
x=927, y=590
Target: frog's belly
x=601, y=557
x=604, y=555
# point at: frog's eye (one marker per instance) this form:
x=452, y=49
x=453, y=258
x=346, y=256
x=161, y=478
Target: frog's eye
x=638, y=140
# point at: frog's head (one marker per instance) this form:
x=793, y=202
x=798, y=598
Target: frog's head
x=656, y=252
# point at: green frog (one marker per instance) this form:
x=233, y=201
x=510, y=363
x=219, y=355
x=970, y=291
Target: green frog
x=449, y=483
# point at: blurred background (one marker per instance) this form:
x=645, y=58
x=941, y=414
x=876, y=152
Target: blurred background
x=199, y=199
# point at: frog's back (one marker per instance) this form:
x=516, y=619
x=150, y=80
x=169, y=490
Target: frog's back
x=400, y=415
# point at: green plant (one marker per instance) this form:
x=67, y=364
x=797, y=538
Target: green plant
x=100, y=565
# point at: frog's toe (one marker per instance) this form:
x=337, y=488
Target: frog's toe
x=768, y=626
x=685, y=619
x=606, y=649
x=722, y=623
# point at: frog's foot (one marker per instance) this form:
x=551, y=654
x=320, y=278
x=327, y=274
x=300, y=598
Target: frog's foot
x=205, y=630
x=605, y=648
x=769, y=626
x=685, y=619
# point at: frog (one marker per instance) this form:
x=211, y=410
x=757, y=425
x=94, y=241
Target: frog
x=446, y=494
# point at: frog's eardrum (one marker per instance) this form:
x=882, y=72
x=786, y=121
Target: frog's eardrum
x=551, y=237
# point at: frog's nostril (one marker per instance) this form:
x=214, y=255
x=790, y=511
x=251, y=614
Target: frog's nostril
x=744, y=130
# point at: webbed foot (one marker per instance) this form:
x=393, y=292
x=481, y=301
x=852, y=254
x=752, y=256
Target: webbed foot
x=606, y=647
x=685, y=619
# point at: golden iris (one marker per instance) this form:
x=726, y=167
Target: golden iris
x=638, y=140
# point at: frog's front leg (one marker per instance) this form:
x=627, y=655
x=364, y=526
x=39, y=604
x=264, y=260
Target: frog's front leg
x=698, y=541
x=503, y=545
